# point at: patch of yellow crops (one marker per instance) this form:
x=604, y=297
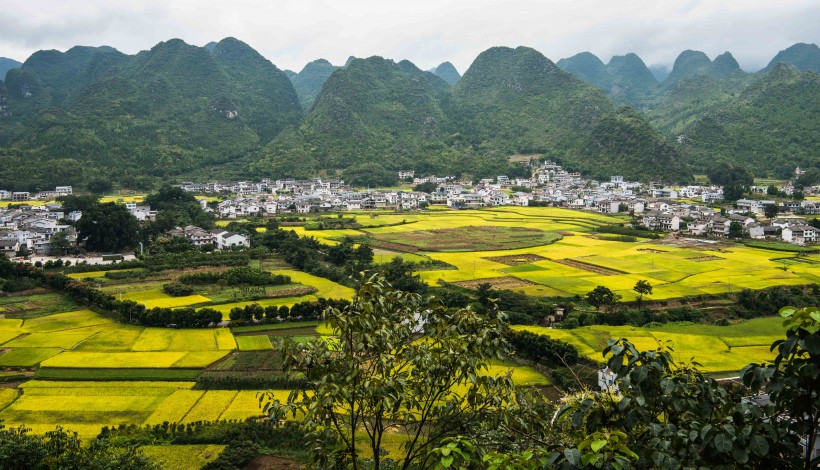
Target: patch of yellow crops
x=135, y=360
x=716, y=348
x=210, y=406
x=7, y=396
x=174, y=408
x=111, y=385
x=174, y=302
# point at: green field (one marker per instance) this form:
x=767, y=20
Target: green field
x=716, y=348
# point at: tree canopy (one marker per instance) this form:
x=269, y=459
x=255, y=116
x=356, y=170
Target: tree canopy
x=400, y=365
x=108, y=227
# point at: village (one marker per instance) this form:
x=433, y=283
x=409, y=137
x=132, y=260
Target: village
x=696, y=210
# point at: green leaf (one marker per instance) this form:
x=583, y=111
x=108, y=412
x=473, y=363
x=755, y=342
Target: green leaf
x=598, y=444
x=446, y=461
x=759, y=445
x=811, y=344
x=740, y=454
x=573, y=456
x=723, y=443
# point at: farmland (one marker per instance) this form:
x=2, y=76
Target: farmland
x=89, y=371
x=718, y=349
x=94, y=372
x=579, y=261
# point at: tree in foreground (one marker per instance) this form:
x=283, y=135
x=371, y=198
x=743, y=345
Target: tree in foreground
x=642, y=287
x=400, y=366
x=61, y=450
x=792, y=380
x=666, y=414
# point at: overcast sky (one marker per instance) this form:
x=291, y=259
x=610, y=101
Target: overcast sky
x=291, y=33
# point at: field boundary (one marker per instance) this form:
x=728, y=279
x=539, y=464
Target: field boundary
x=593, y=268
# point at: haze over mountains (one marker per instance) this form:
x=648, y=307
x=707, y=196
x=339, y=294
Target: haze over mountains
x=223, y=110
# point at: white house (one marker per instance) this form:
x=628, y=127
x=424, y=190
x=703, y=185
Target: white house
x=800, y=234
x=224, y=239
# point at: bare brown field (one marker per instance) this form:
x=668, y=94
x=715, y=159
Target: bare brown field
x=516, y=260
x=497, y=283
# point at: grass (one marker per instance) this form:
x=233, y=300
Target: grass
x=466, y=238
x=33, y=306
x=182, y=457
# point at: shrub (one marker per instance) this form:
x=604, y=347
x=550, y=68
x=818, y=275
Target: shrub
x=176, y=289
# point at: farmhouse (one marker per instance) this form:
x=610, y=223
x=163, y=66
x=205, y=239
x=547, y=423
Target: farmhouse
x=800, y=234
x=226, y=240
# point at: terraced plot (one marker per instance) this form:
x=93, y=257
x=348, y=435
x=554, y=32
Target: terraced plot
x=85, y=407
x=716, y=348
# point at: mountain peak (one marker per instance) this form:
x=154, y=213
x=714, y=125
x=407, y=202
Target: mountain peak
x=588, y=67
x=801, y=55
x=447, y=72
x=7, y=64
x=723, y=65
x=309, y=81
x=688, y=64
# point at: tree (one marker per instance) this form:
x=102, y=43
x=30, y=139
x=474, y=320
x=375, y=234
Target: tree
x=108, y=227
x=772, y=190
x=734, y=191
x=791, y=380
x=809, y=178
x=735, y=230
x=399, y=274
x=642, y=287
x=723, y=173
x=60, y=449
x=770, y=211
x=398, y=365
x=602, y=296
x=99, y=185
x=428, y=187
x=59, y=244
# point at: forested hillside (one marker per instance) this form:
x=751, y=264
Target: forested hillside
x=714, y=110
x=308, y=83
x=516, y=100
x=771, y=127
x=97, y=113
x=181, y=111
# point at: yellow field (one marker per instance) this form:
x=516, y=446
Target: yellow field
x=134, y=360
x=85, y=407
x=574, y=264
x=716, y=348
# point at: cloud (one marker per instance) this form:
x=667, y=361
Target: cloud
x=427, y=32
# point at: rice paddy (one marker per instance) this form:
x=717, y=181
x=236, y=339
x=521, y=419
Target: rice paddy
x=85, y=407
x=717, y=348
